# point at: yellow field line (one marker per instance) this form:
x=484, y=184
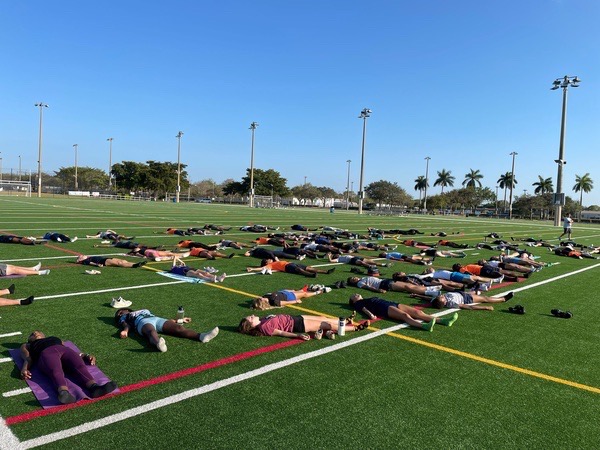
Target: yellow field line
x=220, y=286
x=151, y=268
x=446, y=349
x=498, y=363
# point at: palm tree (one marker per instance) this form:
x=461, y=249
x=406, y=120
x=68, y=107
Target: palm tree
x=472, y=179
x=583, y=184
x=543, y=185
x=444, y=179
x=421, y=185
x=505, y=182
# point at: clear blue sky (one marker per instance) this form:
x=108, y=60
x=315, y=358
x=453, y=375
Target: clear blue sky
x=464, y=82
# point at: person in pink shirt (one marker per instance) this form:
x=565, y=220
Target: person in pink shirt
x=295, y=327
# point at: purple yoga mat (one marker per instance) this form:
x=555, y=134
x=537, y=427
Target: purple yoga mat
x=42, y=387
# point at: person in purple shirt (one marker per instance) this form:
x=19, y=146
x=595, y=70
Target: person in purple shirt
x=295, y=327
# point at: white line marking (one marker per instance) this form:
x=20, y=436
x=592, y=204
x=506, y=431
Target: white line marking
x=16, y=333
x=8, y=441
x=3, y=360
x=16, y=392
x=93, y=425
x=124, y=415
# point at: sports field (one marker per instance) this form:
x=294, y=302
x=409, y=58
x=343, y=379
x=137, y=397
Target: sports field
x=492, y=380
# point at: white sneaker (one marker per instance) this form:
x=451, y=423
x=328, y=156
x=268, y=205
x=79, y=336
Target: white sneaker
x=301, y=257
x=327, y=289
x=264, y=270
x=162, y=345
x=38, y=266
x=206, y=337
x=93, y=272
x=120, y=303
x=269, y=272
x=105, y=242
x=44, y=272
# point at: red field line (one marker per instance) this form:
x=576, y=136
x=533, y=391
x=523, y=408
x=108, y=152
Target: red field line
x=26, y=417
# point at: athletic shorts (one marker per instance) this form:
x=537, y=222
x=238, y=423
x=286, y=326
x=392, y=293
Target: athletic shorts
x=567, y=230
x=6, y=239
x=157, y=322
x=3, y=268
x=294, y=268
x=298, y=324
x=459, y=277
x=289, y=295
x=183, y=270
x=385, y=284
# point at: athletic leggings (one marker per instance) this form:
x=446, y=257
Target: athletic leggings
x=57, y=360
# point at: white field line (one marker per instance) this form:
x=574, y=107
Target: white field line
x=3, y=360
x=16, y=333
x=8, y=441
x=16, y=392
x=133, y=412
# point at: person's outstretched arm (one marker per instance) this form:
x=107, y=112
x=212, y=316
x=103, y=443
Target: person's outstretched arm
x=25, y=373
x=303, y=336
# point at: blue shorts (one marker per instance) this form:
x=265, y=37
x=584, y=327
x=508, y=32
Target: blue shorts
x=157, y=322
x=460, y=277
x=289, y=295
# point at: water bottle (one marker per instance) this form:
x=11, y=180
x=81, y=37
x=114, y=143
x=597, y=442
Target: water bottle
x=342, y=327
x=180, y=314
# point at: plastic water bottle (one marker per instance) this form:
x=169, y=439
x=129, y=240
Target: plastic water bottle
x=180, y=314
x=342, y=327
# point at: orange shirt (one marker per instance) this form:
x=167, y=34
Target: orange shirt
x=184, y=244
x=200, y=252
x=472, y=269
x=262, y=240
x=278, y=266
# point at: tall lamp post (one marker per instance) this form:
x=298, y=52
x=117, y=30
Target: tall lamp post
x=559, y=199
x=19, y=167
x=76, y=185
x=427, y=158
x=348, y=186
x=178, y=166
x=40, y=105
x=512, y=184
x=253, y=126
x=0, y=168
x=109, y=163
x=496, y=200
x=364, y=114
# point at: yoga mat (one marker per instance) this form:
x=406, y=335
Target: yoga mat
x=44, y=390
x=181, y=277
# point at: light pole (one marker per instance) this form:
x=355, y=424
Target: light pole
x=40, y=105
x=348, y=187
x=512, y=184
x=496, y=200
x=427, y=158
x=253, y=126
x=304, y=180
x=0, y=168
x=19, y=167
x=110, y=163
x=76, y=185
x=559, y=199
x=178, y=166
x=364, y=114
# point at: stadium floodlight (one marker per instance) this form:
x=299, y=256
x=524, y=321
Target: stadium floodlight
x=253, y=126
x=178, y=166
x=512, y=184
x=364, y=114
x=427, y=158
x=109, y=163
x=564, y=83
x=40, y=105
x=76, y=185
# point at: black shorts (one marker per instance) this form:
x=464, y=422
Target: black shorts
x=385, y=284
x=294, y=268
x=298, y=324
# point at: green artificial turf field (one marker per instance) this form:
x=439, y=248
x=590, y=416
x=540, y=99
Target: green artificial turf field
x=492, y=380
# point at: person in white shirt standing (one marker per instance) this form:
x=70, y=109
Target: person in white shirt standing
x=567, y=223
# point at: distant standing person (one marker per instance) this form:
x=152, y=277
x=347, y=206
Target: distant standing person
x=567, y=223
